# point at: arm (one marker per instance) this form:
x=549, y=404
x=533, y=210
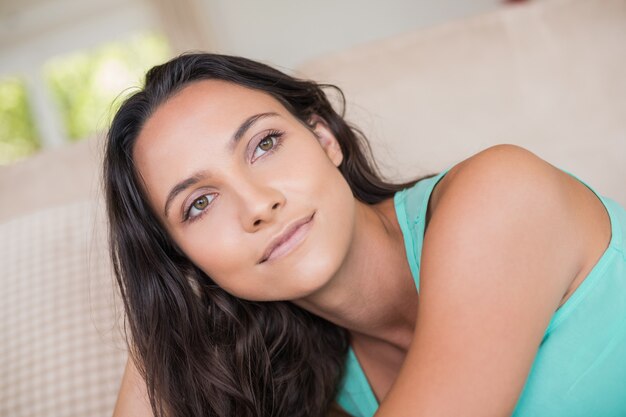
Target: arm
x=500, y=251
x=132, y=400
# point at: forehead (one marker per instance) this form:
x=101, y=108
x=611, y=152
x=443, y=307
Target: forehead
x=210, y=104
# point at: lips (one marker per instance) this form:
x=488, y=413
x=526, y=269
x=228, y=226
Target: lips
x=283, y=237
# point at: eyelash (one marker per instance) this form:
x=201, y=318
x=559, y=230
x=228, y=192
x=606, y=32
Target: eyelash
x=278, y=135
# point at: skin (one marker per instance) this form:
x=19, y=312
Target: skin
x=256, y=199
x=251, y=201
x=408, y=346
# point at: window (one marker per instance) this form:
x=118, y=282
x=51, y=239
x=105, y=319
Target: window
x=85, y=84
x=18, y=137
x=64, y=63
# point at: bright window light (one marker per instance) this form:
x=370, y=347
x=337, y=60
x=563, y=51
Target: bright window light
x=86, y=84
x=18, y=136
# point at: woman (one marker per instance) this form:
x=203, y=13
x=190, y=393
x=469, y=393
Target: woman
x=268, y=270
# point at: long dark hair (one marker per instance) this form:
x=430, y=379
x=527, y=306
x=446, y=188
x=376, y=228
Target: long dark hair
x=200, y=350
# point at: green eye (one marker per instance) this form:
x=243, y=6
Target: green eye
x=201, y=203
x=198, y=207
x=270, y=143
x=266, y=144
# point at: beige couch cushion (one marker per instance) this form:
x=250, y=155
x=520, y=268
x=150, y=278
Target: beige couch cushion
x=548, y=76
x=61, y=353
x=51, y=178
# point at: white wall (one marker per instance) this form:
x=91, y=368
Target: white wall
x=283, y=33
x=36, y=30
x=286, y=33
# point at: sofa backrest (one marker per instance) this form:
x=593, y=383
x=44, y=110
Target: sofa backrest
x=61, y=347
x=546, y=75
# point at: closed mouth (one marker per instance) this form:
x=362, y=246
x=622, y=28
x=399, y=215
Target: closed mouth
x=276, y=245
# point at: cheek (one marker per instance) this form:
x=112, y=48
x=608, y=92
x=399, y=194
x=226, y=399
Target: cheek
x=335, y=217
x=312, y=172
x=217, y=253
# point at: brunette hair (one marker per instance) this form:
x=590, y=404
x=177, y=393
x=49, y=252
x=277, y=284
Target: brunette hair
x=200, y=350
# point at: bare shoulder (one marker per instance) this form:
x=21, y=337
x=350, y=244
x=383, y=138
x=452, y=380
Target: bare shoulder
x=501, y=250
x=523, y=180
x=504, y=166
x=505, y=188
x=489, y=167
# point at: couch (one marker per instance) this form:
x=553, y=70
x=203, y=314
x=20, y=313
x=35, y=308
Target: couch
x=548, y=76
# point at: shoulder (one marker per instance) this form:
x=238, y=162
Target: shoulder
x=505, y=168
x=500, y=252
x=507, y=195
x=508, y=205
x=528, y=188
x=500, y=166
x=512, y=180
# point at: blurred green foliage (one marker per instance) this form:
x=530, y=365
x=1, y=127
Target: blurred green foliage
x=18, y=136
x=87, y=87
x=86, y=84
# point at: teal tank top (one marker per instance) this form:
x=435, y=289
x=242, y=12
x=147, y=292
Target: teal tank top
x=580, y=367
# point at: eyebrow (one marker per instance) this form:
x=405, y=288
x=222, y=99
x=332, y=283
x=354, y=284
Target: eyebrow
x=200, y=175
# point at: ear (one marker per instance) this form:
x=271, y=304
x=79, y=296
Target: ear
x=327, y=139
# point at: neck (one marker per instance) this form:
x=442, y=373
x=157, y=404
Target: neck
x=373, y=294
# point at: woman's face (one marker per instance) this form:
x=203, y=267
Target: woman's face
x=229, y=170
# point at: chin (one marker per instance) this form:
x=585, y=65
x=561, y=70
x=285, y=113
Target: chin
x=319, y=274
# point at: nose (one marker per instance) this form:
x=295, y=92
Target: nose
x=260, y=203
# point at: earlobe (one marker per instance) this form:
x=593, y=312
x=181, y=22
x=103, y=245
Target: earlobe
x=327, y=139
